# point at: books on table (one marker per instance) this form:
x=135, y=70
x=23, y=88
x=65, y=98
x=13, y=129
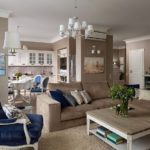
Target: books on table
x=111, y=136
x=115, y=138
x=102, y=131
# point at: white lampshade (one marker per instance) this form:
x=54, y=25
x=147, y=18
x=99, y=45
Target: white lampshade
x=84, y=24
x=77, y=26
x=71, y=22
x=62, y=28
x=90, y=28
x=12, y=40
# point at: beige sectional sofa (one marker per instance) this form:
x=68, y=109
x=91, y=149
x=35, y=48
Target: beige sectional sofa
x=57, y=119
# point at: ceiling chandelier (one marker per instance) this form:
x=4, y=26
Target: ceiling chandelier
x=74, y=27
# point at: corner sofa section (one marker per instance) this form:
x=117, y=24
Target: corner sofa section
x=56, y=118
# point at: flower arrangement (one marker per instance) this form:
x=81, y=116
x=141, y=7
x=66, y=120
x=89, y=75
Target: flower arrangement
x=18, y=74
x=123, y=94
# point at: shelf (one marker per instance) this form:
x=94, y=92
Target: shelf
x=138, y=144
x=122, y=146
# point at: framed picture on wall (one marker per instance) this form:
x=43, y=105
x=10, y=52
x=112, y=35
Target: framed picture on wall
x=2, y=64
x=93, y=64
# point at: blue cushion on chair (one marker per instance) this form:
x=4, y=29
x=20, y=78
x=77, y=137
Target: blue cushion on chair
x=13, y=135
x=60, y=98
x=35, y=127
x=36, y=89
x=7, y=120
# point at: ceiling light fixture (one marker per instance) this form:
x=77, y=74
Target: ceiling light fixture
x=74, y=27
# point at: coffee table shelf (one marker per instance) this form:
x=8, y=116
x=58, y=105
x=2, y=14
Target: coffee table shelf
x=122, y=146
x=139, y=144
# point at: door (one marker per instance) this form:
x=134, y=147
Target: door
x=136, y=67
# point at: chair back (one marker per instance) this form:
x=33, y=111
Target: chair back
x=45, y=83
x=37, y=79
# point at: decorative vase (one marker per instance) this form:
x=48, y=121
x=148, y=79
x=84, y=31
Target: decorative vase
x=122, y=109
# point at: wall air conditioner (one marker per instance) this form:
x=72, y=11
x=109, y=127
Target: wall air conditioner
x=97, y=35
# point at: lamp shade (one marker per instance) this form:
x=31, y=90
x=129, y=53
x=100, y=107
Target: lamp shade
x=84, y=24
x=90, y=28
x=62, y=28
x=77, y=26
x=12, y=40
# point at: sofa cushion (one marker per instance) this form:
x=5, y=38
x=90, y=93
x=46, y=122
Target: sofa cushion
x=96, y=90
x=86, y=97
x=60, y=98
x=70, y=113
x=66, y=87
x=104, y=103
x=71, y=100
x=76, y=94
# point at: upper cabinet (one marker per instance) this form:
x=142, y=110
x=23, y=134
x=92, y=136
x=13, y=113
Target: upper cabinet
x=31, y=58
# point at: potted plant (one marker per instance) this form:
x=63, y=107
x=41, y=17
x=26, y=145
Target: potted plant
x=123, y=94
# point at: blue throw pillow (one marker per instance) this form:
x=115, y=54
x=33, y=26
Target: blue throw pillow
x=0, y=106
x=60, y=98
x=60, y=91
x=2, y=113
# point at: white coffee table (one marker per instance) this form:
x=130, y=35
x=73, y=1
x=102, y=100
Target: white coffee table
x=135, y=128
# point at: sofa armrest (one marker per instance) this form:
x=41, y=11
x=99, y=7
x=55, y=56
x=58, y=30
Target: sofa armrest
x=51, y=111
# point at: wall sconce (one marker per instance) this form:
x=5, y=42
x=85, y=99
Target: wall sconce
x=94, y=51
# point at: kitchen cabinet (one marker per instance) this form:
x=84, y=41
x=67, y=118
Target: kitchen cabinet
x=13, y=60
x=22, y=58
x=31, y=58
x=41, y=59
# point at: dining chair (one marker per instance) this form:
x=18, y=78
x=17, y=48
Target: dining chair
x=11, y=93
x=40, y=89
x=37, y=80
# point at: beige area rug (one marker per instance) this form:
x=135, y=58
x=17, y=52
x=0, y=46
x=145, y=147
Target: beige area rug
x=71, y=139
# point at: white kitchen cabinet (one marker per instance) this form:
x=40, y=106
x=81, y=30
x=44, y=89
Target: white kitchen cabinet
x=31, y=58
x=41, y=59
x=49, y=58
x=13, y=60
x=22, y=58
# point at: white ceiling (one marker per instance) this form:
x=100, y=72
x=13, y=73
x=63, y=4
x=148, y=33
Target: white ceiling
x=40, y=19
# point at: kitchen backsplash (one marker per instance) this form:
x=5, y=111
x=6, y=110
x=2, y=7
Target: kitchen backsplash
x=30, y=70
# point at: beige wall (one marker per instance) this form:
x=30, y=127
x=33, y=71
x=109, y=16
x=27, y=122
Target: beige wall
x=138, y=45
x=3, y=79
x=84, y=50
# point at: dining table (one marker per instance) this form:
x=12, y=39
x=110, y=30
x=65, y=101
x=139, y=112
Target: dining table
x=24, y=83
